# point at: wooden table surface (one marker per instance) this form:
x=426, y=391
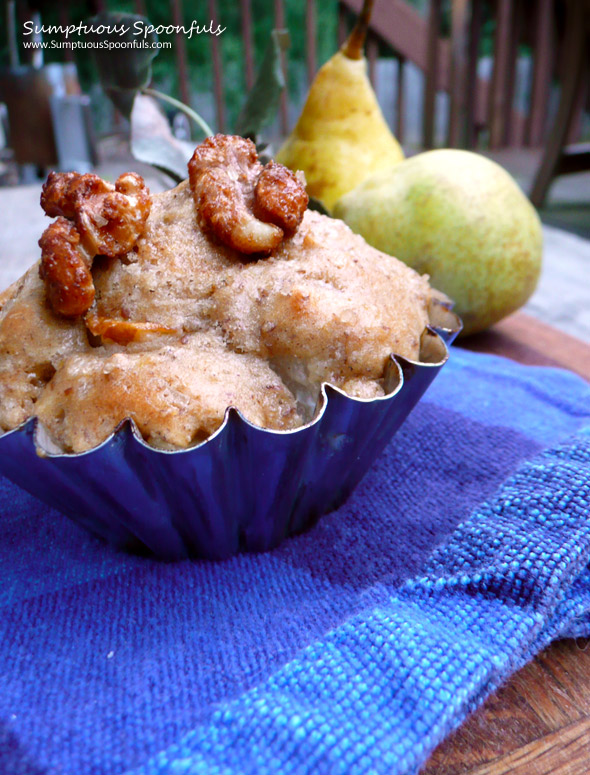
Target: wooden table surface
x=538, y=723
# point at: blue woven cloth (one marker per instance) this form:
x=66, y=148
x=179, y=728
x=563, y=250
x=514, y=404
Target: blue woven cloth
x=354, y=648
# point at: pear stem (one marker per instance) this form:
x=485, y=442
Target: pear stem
x=353, y=47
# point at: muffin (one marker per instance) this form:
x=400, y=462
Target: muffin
x=219, y=318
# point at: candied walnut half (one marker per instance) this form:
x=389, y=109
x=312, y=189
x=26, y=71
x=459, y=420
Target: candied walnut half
x=103, y=218
x=245, y=205
x=63, y=193
x=110, y=218
x=65, y=269
x=110, y=224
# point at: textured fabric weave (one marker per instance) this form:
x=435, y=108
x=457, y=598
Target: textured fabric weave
x=354, y=648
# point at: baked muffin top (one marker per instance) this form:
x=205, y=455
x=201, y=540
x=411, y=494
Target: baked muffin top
x=183, y=324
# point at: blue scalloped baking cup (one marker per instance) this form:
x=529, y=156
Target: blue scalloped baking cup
x=244, y=488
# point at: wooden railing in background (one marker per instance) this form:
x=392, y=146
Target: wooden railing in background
x=450, y=64
x=481, y=112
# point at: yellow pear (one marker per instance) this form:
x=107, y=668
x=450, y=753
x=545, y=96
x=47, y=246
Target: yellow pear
x=460, y=218
x=341, y=136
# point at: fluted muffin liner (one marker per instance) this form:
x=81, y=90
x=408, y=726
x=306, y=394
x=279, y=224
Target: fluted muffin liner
x=245, y=487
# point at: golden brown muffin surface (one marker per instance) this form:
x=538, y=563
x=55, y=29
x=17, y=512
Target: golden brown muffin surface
x=33, y=342
x=177, y=393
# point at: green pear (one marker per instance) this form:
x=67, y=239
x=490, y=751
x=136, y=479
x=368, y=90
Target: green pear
x=460, y=218
x=341, y=136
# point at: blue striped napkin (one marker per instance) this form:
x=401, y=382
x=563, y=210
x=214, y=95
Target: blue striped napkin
x=354, y=648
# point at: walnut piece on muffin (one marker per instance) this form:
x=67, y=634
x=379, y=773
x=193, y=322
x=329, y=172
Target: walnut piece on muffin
x=94, y=217
x=245, y=205
x=177, y=318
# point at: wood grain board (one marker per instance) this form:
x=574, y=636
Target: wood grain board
x=527, y=340
x=538, y=723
